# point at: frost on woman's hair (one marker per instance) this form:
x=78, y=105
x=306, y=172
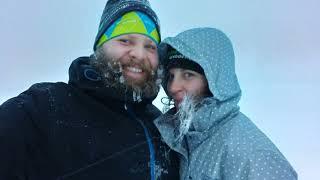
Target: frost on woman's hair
x=184, y=117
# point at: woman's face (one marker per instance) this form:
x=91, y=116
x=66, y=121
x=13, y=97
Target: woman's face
x=183, y=81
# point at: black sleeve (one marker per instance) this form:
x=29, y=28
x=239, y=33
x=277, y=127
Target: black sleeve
x=16, y=130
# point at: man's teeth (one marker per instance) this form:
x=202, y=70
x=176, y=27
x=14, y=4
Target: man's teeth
x=134, y=69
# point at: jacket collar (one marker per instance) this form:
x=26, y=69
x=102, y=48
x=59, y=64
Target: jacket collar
x=207, y=119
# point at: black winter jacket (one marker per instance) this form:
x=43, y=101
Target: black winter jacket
x=80, y=130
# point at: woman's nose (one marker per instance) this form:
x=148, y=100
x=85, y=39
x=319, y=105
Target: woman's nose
x=175, y=86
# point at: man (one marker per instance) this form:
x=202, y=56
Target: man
x=99, y=125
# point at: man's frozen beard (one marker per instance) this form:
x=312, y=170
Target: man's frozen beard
x=112, y=74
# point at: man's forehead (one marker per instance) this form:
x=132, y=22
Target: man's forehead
x=136, y=36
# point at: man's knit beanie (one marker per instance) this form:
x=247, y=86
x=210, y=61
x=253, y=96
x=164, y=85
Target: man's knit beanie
x=114, y=9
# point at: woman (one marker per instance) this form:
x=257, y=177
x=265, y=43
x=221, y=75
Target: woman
x=214, y=139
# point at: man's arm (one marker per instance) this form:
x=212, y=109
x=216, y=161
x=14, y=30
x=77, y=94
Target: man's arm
x=14, y=125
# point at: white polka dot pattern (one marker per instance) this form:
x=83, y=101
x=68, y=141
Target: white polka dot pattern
x=224, y=143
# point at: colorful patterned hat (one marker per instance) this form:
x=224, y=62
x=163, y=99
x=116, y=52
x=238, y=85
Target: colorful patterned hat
x=115, y=9
x=131, y=22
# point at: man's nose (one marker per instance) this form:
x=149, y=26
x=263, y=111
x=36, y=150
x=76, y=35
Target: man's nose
x=137, y=53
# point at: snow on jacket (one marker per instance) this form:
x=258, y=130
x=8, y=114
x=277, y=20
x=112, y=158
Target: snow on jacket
x=80, y=130
x=224, y=143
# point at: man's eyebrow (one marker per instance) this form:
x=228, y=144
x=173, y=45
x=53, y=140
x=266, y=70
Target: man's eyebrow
x=130, y=36
x=148, y=40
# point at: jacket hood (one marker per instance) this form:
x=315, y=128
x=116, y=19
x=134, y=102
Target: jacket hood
x=221, y=143
x=84, y=76
x=213, y=51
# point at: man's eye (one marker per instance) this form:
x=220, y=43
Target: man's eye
x=124, y=41
x=150, y=46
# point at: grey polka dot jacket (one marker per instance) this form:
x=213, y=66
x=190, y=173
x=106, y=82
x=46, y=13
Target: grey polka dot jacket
x=223, y=143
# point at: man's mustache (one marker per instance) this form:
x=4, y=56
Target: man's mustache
x=144, y=67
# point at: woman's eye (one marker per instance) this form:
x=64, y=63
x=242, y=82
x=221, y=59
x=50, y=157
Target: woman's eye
x=188, y=75
x=170, y=77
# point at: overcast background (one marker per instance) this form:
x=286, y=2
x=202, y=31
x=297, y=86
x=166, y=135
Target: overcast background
x=276, y=44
